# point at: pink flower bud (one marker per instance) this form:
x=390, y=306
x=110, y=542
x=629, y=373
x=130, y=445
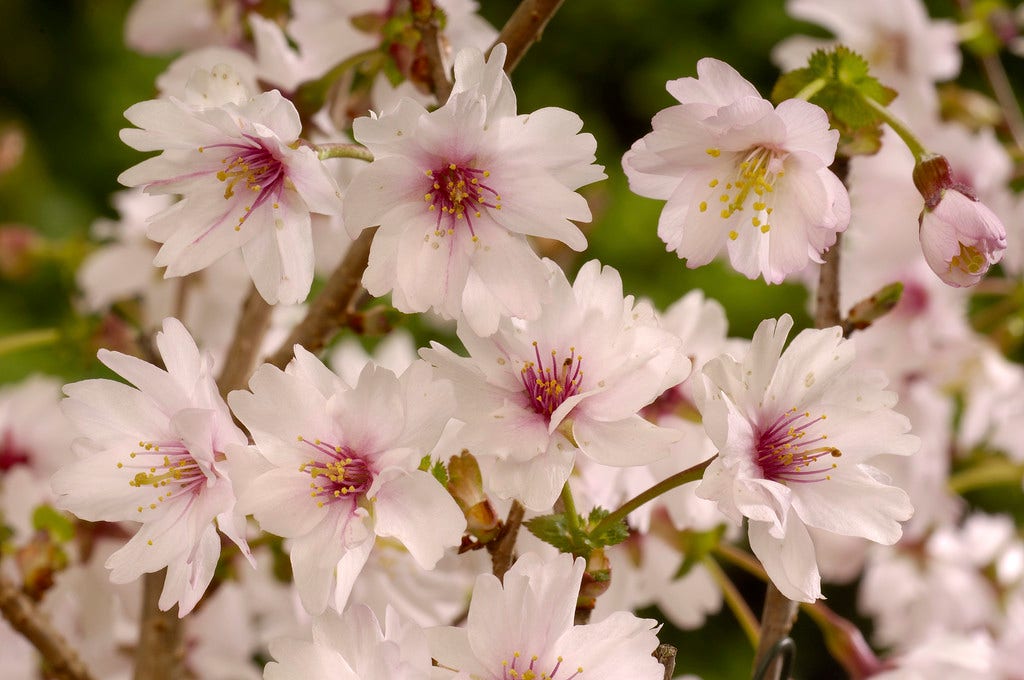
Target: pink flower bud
x=961, y=238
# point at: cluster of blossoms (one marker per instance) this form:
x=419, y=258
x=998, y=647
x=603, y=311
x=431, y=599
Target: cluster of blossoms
x=497, y=509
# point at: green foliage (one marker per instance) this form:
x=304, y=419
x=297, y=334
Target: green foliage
x=58, y=525
x=436, y=468
x=838, y=81
x=575, y=537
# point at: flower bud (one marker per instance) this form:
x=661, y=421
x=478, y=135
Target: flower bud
x=961, y=238
x=466, y=486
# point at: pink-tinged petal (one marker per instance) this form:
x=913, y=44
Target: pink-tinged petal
x=432, y=272
x=104, y=409
x=550, y=138
x=386, y=134
x=695, y=234
x=421, y=514
x=790, y=561
x=371, y=417
x=537, y=482
x=313, y=182
x=627, y=442
x=808, y=130
x=350, y=565
x=533, y=204
x=641, y=182
x=620, y=646
x=163, y=389
x=96, y=490
x=308, y=368
x=279, y=500
x=194, y=426
x=450, y=646
x=854, y=503
x=811, y=364
x=275, y=112
x=179, y=352
x=154, y=546
x=187, y=580
x=716, y=82
x=506, y=279
x=315, y=558
x=280, y=256
x=156, y=116
x=296, y=659
x=764, y=502
x=378, y=188
x=430, y=401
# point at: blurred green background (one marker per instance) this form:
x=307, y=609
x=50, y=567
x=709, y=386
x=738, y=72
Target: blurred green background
x=66, y=78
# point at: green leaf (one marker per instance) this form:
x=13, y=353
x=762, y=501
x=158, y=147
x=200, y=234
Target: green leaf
x=436, y=468
x=844, y=80
x=59, y=526
x=556, y=530
x=695, y=546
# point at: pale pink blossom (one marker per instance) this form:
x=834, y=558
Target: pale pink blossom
x=535, y=393
x=457, y=190
x=335, y=466
x=353, y=647
x=525, y=624
x=790, y=429
x=246, y=179
x=740, y=173
x=154, y=454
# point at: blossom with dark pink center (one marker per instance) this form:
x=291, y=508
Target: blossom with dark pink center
x=795, y=431
x=155, y=455
x=335, y=466
x=245, y=178
x=572, y=380
x=457, y=190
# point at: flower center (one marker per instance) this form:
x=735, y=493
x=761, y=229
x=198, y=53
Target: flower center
x=457, y=193
x=509, y=670
x=786, y=453
x=10, y=453
x=167, y=467
x=254, y=167
x=547, y=386
x=755, y=174
x=336, y=471
x=969, y=261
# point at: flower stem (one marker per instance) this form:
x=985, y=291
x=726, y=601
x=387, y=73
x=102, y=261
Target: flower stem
x=28, y=340
x=688, y=475
x=738, y=606
x=810, y=89
x=338, y=150
x=897, y=125
x=570, y=506
x=995, y=473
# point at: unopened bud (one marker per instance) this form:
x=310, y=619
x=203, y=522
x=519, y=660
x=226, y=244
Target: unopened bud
x=596, y=580
x=932, y=176
x=465, y=484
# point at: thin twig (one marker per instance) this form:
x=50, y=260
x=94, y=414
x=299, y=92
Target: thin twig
x=524, y=28
x=777, y=618
x=241, y=358
x=160, y=654
x=332, y=308
x=826, y=311
x=25, y=618
x=424, y=16
x=503, y=548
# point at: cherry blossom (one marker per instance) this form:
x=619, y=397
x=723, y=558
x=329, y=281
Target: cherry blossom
x=790, y=427
x=456, y=190
x=523, y=628
x=335, y=466
x=741, y=173
x=154, y=454
x=574, y=379
x=246, y=180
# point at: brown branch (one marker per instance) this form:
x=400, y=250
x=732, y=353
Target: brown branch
x=826, y=309
x=777, y=619
x=241, y=358
x=25, y=618
x=524, y=28
x=333, y=307
x=503, y=547
x=424, y=17
x=160, y=654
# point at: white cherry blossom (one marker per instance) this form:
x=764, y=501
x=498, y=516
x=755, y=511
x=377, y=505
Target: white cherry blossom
x=336, y=466
x=154, y=454
x=741, y=173
x=791, y=433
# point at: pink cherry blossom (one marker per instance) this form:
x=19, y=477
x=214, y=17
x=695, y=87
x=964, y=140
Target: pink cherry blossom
x=961, y=238
x=336, y=466
x=246, y=181
x=741, y=173
x=456, y=190
x=574, y=379
x=523, y=628
x=154, y=454
x=790, y=429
